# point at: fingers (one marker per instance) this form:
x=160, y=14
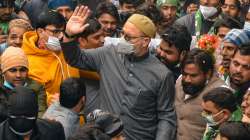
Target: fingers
x=85, y=12
x=76, y=11
x=84, y=27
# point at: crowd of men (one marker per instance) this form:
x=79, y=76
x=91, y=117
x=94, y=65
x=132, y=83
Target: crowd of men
x=125, y=70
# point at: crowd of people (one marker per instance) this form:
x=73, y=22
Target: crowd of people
x=125, y=70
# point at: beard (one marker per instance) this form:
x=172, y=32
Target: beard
x=170, y=65
x=236, y=78
x=192, y=89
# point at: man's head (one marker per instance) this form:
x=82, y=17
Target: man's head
x=22, y=111
x=224, y=25
x=17, y=27
x=175, y=44
x=50, y=29
x=240, y=67
x=218, y=105
x=138, y=31
x=235, y=131
x=72, y=94
x=14, y=66
x=245, y=105
x=64, y=7
x=197, y=68
x=6, y=9
x=234, y=39
x=129, y=6
x=92, y=36
x=231, y=8
x=107, y=15
x=247, y=20
x=168, y=10
x=210, y=8
x=151, y=11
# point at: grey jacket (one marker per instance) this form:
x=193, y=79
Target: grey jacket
x=140, y=90
x=68, y=118
x=189, y=22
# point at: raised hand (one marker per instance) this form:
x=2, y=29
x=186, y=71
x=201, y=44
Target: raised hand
x=77, y=22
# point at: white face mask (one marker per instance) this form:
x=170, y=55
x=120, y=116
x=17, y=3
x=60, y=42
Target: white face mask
x=53, y=44
x=124, y=47
x=247, y=26
x=208, y=12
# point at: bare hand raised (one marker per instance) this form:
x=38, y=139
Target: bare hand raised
x=77, y=22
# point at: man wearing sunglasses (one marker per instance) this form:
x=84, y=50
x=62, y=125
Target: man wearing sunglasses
x=14, y=66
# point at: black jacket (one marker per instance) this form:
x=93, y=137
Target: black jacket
x=44, y=130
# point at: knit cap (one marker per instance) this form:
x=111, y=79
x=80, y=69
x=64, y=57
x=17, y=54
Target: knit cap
x=23, y=102
x=7, y=3
x=13, y=57
x=144, y=24
x=238, y=37
x=54, y=4
x=159, y=3
x=20, y=23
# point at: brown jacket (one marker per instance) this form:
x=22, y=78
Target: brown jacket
x=190, y=124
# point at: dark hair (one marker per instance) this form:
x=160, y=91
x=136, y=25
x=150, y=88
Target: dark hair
x=71, y=91
x=237, y=3
x=50, y=17
x=7, y=4
x=151, y=11
x=107, y=8
x=133, y=2
x=178, y=36
x=94, y=26
x=228, y=22
x=88, y=132
x=235, y=130
x=244, y=49
x=222, y=97
x=199, y=57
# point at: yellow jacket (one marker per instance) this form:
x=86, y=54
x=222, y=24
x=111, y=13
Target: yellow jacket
x=46, y=66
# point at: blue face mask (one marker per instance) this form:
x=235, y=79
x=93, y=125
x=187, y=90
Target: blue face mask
x=8, y=85
x=247, y=26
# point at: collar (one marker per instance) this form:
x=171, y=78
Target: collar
x=133, y=58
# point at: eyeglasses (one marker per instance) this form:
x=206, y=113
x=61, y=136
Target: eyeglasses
x=130, y=38
x=55, y=32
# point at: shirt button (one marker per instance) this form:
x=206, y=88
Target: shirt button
x=132, y=65
x=130, y=75
x=123, y=102
x=122, y=113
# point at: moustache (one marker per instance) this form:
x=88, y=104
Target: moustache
x=109, y=30
x=237, y=75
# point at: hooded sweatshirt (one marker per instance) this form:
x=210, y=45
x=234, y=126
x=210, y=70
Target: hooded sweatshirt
x=45, y=66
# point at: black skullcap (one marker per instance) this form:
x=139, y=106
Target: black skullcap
x=23, y=102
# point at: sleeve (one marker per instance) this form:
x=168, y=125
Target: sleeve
x=90, y=59
x=42, y=101
x=166, y=129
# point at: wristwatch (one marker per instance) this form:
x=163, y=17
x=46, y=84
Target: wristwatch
x=69, y=36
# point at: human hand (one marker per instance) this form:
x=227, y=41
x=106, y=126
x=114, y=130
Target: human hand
x=77, y=22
